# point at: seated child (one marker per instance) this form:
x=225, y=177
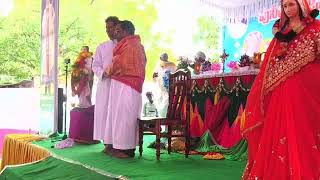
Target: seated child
x=149, y=109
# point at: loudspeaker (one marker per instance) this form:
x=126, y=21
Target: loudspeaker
x=61, y=99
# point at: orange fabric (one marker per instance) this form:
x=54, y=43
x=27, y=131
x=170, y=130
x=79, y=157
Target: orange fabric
x=18, y=149
x=282, y=123
x=129, y=62
x=213, y=156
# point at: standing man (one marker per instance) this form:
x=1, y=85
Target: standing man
x=102, y=60
x=127, y=73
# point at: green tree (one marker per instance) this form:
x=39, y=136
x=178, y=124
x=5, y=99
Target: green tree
x=208, y=33
x=72, y=36
x=81, y=23
x=20, y=52
x=20, y=42
x=142, y=13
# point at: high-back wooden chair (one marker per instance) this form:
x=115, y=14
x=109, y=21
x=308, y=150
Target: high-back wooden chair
x=177, y=117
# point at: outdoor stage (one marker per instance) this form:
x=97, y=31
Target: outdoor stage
x=88, y=162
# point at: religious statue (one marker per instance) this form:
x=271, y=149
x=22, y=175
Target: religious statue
x=81, y=76
x=224, y=57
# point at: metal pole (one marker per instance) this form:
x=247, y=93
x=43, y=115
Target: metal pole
x=67, y=61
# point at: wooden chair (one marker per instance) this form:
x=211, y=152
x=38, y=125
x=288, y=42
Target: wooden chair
x=179, y=92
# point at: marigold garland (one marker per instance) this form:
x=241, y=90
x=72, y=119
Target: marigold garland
x=79, y=75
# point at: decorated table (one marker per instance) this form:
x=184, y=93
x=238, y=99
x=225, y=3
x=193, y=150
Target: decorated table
x=217, y=103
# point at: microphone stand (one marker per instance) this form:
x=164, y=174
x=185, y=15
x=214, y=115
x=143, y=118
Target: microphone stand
x=65, y=136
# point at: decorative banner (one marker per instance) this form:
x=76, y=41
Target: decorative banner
x=49, y=51
x=253, y=35
x=246, y=38
x=49, y=39
x=274, y=12
x=235, y=10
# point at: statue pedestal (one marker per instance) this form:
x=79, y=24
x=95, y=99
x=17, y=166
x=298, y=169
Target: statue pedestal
x=81, y=124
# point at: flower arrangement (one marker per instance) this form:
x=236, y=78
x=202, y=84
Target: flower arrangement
x=216, y=66
x=233, y=65
x=183, y=63
x=79, y=74
x=245, y=60
x=206, y=66
x=213, y=156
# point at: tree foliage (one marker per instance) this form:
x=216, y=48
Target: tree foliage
x=208, y=33
x=20, y=51
x=20, y=42
x=82, y=23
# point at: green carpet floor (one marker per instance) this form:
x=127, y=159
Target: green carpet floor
x=50, y=169
x=174, y=166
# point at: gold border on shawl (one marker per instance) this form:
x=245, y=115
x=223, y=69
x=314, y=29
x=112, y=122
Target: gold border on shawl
x=285, y=77
x=265, y=91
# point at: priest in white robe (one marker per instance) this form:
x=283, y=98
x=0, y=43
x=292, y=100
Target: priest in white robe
x=102, y=60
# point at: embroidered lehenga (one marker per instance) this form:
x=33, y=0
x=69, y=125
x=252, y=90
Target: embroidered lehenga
x=282, y=116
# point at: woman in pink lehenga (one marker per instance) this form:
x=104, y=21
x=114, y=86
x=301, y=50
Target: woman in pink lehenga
x=282, y=117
